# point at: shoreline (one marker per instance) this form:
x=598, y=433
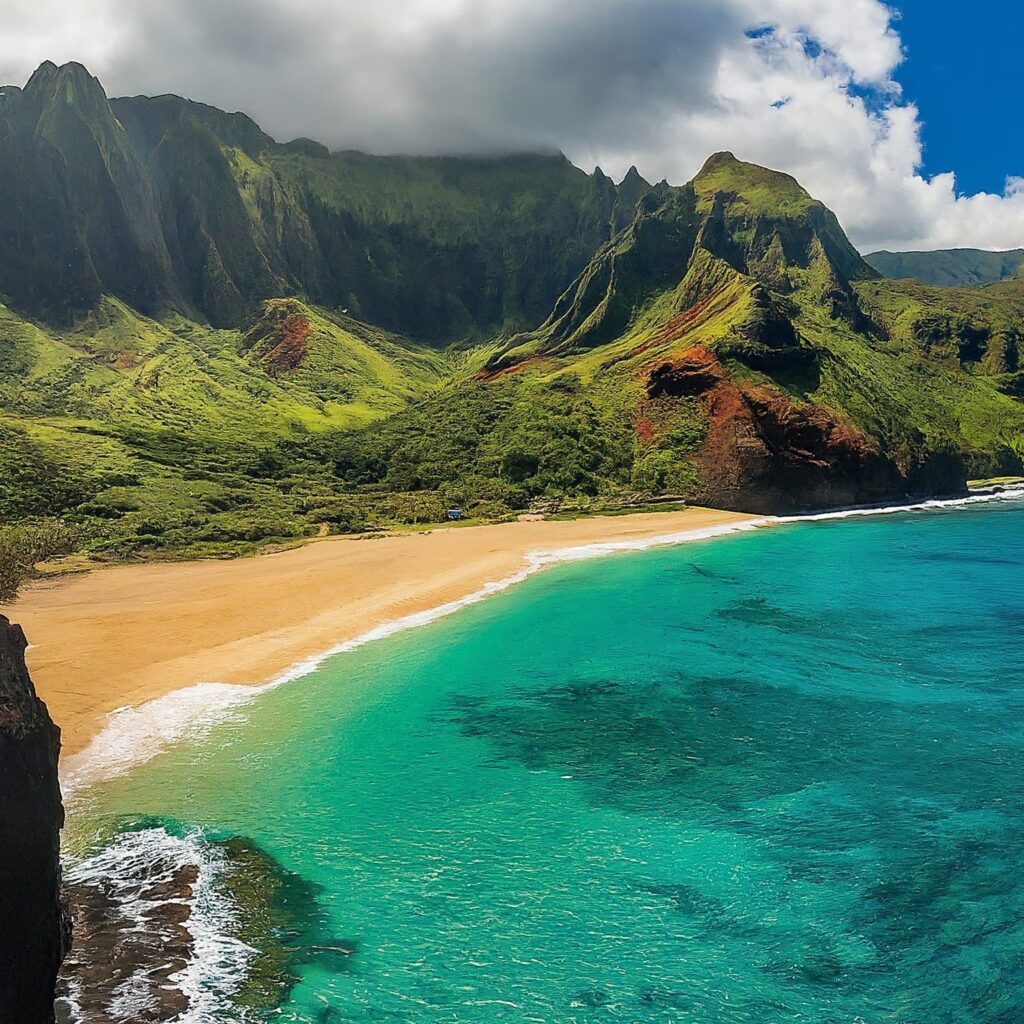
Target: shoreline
x=116, y=725
x=106, y=643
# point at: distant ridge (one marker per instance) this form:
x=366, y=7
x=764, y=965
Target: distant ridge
x=949, y=268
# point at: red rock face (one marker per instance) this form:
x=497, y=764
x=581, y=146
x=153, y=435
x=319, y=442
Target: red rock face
x=288, y=344
x=644, y=429
x=765, y=452
x=682, y=322
x=35, y=927
x=695, y=374
x=506, y=371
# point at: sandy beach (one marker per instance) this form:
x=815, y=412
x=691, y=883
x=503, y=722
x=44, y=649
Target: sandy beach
x=125, y=635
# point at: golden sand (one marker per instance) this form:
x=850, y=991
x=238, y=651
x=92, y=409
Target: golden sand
x=124, y=635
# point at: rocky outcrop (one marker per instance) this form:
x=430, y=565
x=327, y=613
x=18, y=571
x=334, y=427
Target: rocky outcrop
x=35, y=926
x=765, y=452
x=137, y=903
x=279, y=338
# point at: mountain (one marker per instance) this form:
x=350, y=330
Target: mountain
x=738, y=302
x=210, y=341
x=950, y=267
x=174, y=206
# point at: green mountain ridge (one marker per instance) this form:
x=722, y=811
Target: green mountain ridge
x=210, y=341
x=191, y=210
x=950, y=267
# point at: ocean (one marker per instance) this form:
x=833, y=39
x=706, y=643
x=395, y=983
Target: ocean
x=770, y=777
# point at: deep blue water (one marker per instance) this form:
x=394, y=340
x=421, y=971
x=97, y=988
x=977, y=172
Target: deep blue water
x=774, y=777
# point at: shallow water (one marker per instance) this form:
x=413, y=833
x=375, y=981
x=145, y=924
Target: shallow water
x=774, y=777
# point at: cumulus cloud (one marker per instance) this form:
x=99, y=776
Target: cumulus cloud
x=803, y=85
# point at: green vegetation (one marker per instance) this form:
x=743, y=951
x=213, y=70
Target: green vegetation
x=231, y=343
x=171, y=437
x=23, y=546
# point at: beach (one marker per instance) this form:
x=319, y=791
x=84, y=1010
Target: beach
x=123, y=636
x=602, y=784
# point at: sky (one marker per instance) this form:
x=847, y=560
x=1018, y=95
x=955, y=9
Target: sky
x=903, y=118
x=964, y=75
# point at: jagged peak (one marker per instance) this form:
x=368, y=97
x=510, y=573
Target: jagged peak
x=44, y=74
x=48, y=75
x=69, y=85
x=764, y=190
x=634, y=177
x=727, y=187
x=633, y=188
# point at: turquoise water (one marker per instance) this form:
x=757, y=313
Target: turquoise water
x=773, y=777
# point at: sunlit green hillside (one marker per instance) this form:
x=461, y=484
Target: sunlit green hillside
x=211, y=342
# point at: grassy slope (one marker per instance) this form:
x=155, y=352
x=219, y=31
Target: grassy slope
x=175, y=436
x=755, y=189
x=888, y=389
x=958, y=348
x=897, y=390
x=166, y=436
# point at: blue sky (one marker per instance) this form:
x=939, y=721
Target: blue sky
x=963, y=70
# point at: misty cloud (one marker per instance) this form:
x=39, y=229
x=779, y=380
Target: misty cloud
x=802, y=85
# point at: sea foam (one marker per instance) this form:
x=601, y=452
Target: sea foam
x=134, y=877
x=133, y=735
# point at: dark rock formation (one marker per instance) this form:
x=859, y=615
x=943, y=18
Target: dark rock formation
x=136, y=906
x=131, y=935
x=35, y=926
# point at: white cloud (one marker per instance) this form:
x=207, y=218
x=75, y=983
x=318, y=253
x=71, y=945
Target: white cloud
x=36, y=30
x=803, y=85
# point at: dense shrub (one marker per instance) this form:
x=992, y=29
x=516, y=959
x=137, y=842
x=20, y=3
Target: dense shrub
x=22, y=546
x=33, y=483
x=663, y=472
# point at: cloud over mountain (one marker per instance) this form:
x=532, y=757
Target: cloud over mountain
x=804, y=85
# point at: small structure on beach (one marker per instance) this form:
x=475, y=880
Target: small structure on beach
x=453, y=515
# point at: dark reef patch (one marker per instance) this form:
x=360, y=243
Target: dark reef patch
x=283, y=920
x=759, y=611
x=590, y=999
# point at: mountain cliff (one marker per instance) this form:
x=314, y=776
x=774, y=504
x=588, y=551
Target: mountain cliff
x=738, y=299
x=35, y=927
x=174, y=206
x=210, y=341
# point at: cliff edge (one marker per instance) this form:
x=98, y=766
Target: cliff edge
x=35, y=926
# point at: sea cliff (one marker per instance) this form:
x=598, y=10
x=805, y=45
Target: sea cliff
x=35, y=924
